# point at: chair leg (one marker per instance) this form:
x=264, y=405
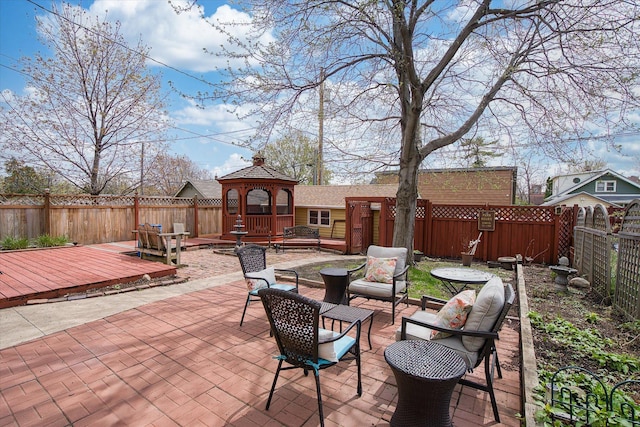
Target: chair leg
x=359, y=368
x=320, y=413
x=488, y=373
x=246, y=304
x=273, y=386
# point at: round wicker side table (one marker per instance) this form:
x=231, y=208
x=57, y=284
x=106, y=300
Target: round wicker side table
x=426, y=373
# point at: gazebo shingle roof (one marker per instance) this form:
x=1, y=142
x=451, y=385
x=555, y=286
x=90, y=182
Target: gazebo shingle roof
x=257, y=172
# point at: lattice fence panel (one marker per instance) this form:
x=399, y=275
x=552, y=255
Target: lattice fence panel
x=578, y=238
x=627, y=293
x=601, y=259
x=587, y=248
x=565, y=232
x=84, y=200
x=21, y=199
x=211, y=202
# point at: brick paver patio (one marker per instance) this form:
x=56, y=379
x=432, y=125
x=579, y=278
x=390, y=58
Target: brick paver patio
x=186, y=361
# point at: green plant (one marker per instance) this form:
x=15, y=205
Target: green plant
x=12, y=243
x=593, y=318
x=46, y=241
x=584, y=343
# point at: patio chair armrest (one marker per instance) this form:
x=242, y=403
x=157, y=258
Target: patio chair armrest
x=427, y=298
x=357, y=324
x=402, y=273
x=284, y=270
x=353, y=270
x=457, y=332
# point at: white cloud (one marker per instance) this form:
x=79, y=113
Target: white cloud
x=235, y=162
x=176, y=39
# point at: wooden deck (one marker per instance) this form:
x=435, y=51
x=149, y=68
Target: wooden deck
x=54, y=272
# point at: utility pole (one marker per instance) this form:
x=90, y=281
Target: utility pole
x=142, y=170
x=319, y=163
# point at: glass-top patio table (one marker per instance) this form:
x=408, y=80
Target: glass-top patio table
x=455, y=279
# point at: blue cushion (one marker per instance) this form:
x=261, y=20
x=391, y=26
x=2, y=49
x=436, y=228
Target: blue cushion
x=340, y=347
x=276, y=286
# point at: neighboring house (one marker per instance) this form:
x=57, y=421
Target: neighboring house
x=323, y=206
x=210, y=189
x=463, y=186
x=606, y=187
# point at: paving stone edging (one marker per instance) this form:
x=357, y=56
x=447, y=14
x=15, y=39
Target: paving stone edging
x=528, y=371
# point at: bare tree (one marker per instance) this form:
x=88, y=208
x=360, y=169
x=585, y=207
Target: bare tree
x=89, y=107
x=296, y=155
x=411, y=77
x=169, y=172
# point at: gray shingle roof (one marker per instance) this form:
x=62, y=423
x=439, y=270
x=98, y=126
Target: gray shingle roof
x=257, y=172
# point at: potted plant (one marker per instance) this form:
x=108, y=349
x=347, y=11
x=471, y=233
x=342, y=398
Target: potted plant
x=417, y=255
x=470, y=250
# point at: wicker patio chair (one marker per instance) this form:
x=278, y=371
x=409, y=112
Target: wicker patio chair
x=475, y=342
x=253, y=260
x=302, y=344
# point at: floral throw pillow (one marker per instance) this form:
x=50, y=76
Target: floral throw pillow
x=453, y=314
x=255, y=282
x=380, y=269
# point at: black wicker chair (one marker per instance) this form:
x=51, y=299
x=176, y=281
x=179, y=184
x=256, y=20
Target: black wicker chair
x=294, y=322
x=475, y=345
x=253, y=260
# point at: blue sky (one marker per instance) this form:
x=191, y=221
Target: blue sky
x=207, y=136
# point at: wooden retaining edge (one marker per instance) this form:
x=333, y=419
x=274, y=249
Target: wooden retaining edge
x=528, y=371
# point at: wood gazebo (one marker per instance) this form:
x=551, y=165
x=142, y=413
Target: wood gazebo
x=261, y=196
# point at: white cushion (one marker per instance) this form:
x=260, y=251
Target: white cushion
x=254, y=281
x=385, y=252
x=375, y=289
x=485, y=312
x=380, y=269
x=333, y=351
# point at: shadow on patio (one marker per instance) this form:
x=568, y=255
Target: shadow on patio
x=185, y=360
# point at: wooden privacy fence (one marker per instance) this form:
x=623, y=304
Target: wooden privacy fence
x=540, y=233
x=595, y=248
x=101, y=219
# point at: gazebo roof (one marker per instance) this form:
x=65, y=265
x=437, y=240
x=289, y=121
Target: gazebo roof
x=258, y=171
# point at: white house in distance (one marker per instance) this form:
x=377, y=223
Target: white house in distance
x=605, y=187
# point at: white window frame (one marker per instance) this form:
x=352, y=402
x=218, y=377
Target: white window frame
x=319, y=218
x=606, y=186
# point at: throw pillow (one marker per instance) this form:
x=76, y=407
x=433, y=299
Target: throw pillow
x=255, y=282
x=454, y=313
x=327, y=351
x=380, y=269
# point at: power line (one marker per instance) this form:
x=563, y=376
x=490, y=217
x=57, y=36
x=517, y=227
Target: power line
x=144, y=55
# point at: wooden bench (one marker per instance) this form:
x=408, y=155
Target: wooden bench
x=301, y=232
x=153, y=243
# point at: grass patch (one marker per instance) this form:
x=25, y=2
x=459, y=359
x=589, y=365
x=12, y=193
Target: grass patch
x=12, y=243
x=422, y=283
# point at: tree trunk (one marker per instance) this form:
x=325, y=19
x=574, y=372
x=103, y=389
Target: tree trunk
x=407, y=194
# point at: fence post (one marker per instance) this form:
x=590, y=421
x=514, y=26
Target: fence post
x=195, y=216
x=428, y=226
x=136, y=211
x=47, y=212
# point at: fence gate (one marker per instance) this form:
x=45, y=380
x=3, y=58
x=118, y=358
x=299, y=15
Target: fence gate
x=627, y=293
x=361, y=226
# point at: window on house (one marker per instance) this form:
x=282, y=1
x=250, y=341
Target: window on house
x=319, y=217
x=605, y=186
